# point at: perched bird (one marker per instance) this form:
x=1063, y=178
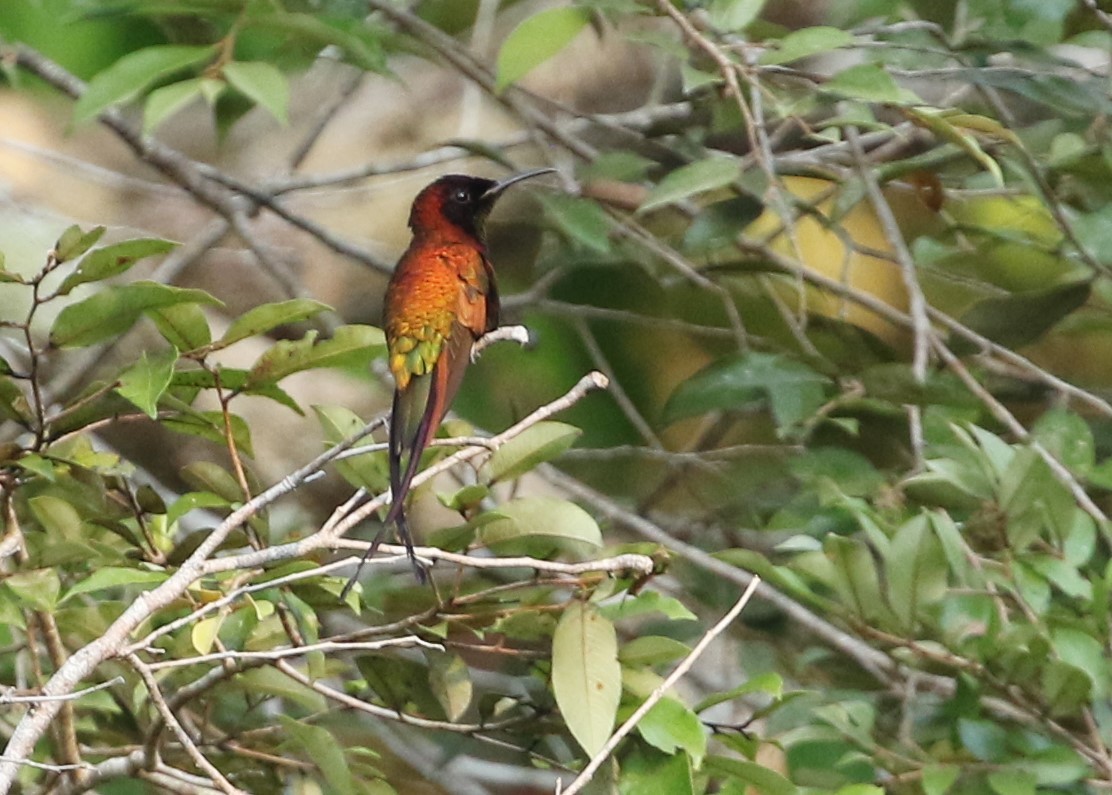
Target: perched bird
x=441, y=298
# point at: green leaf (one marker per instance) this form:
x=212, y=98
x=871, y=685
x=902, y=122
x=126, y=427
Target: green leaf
x=539, y=516
x=539, y=443
x=806, y=42
x=645, y=770
x=1021, y=318
x=714, y=172
x=670, y=725
x=620, y=165
x=917, y=570
x=183, y=325
x=1056, y=766
x=986, y=740
x=56, y=516
x=536, y=40
x=582, y=221
x=115, y=309
x=134, y=73
x=869, y=83
x=1012, y=782
x=210, y=425
x=37, y=589
x=193, y=500
x=652, y=650
x=1084, y=652
x=793, y=390
x=937, y=779
x=114, y=260
x=450, y=680
x=763, y=779
x=586, y=676
x=734, y=15
x=145, y=381
x=74, y=242
x=366, y=470
x=204, y=633
x=162, y=103
x=263, y=318
x=1068, y=438
x=349, y=346
x=855, y=576
x=114, y=577
x=318, y=746
x=647, y=601
x=263, y=83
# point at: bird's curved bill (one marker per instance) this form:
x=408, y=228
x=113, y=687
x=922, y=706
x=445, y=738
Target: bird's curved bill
x=498, y=187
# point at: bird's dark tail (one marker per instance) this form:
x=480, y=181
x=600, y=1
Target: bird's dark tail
x=400, y=447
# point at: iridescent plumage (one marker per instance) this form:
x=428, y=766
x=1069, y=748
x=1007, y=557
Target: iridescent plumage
x=440, y=300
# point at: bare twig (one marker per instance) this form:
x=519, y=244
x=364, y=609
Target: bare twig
x=199, y=759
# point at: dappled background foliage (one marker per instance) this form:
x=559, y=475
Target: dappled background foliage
x=843, y=269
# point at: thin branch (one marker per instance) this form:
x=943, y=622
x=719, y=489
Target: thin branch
x=199, y=759
x=390, y=714
x=9, y=698
x=297, y=651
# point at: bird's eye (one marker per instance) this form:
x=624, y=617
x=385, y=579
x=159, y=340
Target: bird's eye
x=462, y=196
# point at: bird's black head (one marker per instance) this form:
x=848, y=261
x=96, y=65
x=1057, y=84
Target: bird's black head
x=460, y=201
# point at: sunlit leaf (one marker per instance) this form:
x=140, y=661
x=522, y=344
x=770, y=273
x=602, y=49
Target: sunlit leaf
x=56, y=516
x=145, y=381
x=183, y=325
x=132, y=74
x=74, y=242
x=263, y=83
x=536, y=40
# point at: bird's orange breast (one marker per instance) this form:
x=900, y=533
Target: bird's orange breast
x=435, y=287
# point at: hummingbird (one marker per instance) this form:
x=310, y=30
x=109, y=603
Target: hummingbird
x=442, y=297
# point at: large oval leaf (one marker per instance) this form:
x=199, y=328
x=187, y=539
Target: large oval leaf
x=586, y=676
x=540, y=516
